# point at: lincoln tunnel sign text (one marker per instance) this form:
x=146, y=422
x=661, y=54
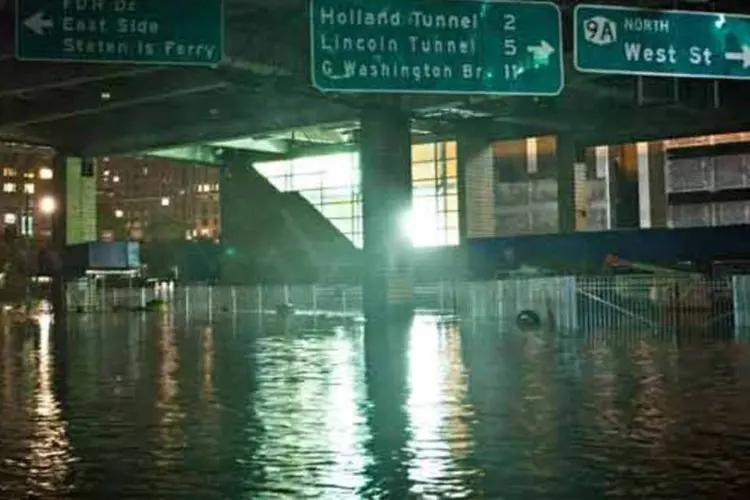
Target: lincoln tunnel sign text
x=437, y=46
x=185, y=32
x=627, y=40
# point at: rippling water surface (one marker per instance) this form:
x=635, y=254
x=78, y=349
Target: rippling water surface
x=159, y=408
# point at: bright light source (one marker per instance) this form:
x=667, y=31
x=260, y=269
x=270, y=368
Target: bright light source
x=10, y=218
x=116, y=178
x=29, y=188
x=165, y=202
x=119, y=214
x=46, y=173
x=48, y=205
x=420, y=225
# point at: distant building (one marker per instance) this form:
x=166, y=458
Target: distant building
x=153, y=199
x=26, y=199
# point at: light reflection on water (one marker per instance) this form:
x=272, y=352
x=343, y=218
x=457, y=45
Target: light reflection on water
x=156, y=408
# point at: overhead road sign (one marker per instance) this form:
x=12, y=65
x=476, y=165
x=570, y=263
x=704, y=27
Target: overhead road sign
x=184, y=32
x=633, y=41
x=437, y=46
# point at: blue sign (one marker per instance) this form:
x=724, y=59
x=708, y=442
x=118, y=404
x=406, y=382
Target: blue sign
x=633, y=41
x=181, y=32
x=437, y=46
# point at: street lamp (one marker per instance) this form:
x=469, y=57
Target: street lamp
x=47, y=205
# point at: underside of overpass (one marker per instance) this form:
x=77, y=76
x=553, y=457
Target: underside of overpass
x=261, y=93
x=260, y=98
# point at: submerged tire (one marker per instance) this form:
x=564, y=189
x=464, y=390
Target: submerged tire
x=528, y=320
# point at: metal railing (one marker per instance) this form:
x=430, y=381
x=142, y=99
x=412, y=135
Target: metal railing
x=602, y=303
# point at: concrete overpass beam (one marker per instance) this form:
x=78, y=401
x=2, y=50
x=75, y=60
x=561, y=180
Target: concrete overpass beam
x=197, y=153
x=276, y=146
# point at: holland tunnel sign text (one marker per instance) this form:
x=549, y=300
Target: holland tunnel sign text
x=437, y=46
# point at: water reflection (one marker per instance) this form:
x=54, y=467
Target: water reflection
x=37, y=455
x=50, y=450
x=170, y=441
x=156, y=408
x=436, y=410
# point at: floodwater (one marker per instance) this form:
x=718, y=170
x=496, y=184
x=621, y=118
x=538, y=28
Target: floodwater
x=158, y=408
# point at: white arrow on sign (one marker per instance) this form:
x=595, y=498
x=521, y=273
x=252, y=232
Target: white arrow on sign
x=743, y=57
x=38, y=23
x=541, y=51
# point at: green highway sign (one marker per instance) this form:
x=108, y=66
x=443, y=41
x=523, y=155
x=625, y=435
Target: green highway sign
x=633, y=41
x=180, y=32
x=437, y=46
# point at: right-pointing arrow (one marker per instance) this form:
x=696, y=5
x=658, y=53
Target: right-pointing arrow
x=743, y=57
x=38, y=23
x=543, y=50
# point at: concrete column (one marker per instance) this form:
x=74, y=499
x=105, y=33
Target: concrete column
x=74, y=218
x=569, y=154
x=385, y=159
x=80, y=199
x=59, y=230
x=652, y=184
x=626, y=205
x=476, y=188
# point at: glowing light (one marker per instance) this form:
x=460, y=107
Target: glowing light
x=47, y=205
x=421, y=224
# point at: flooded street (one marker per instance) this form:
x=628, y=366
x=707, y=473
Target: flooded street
x=153, y=407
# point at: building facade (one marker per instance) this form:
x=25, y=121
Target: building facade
x=153, y=199
x=510, y=188
x=27, y=201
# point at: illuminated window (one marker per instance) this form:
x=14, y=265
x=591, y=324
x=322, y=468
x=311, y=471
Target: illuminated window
x=9, y=187
x=119, y=214
x=332, y=184
x=434, y=217
x=10, y=218
x=9, y=172
x=46, y=173
x=165, y=202
x=116, y=178
x=29, y=175
x=28, y=188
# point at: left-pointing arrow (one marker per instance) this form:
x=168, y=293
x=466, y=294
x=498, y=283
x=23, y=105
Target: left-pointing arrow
x=38, y=23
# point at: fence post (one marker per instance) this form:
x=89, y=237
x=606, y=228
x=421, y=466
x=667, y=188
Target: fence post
x=344, y=305
x=260, y=299
x=233, y=291
x=187, y=301
x=315, y=299
x=210, y=303
x=497, y=299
